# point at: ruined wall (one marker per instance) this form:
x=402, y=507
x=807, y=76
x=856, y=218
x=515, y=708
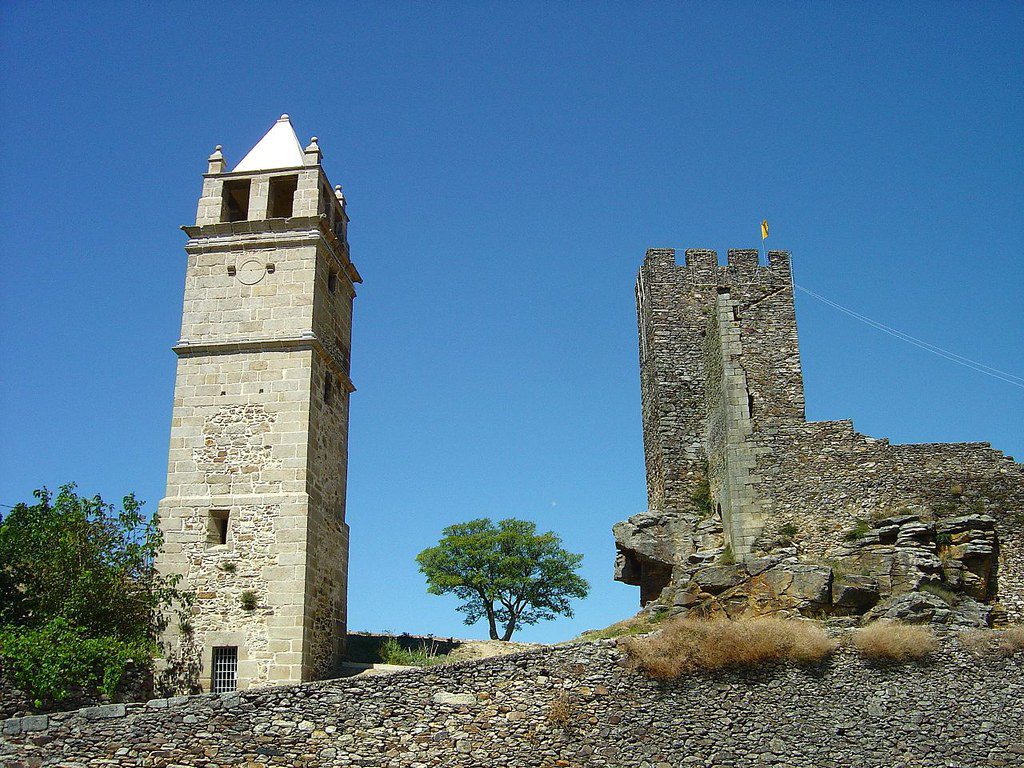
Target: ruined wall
x=722, y=397
x=956, y=710
x=823, y=477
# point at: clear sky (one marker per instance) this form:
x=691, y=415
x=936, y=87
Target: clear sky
x=506, y=166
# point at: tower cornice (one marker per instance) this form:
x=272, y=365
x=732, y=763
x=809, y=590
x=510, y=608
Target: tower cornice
x=269, y=234
x=307, y=340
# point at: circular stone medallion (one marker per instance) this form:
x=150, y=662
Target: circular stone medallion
x=251, y=272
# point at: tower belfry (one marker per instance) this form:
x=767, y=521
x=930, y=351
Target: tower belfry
x=254, y=515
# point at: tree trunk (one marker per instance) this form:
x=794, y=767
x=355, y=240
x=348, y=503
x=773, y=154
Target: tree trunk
x=490, y=619
x=510, y=628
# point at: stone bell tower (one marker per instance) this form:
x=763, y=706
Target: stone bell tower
x=254, y=516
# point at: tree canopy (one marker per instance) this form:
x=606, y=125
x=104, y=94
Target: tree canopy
x=504, y=572
x=78, y=575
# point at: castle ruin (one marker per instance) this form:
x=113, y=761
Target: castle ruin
x=753, y=508
x=254, y=516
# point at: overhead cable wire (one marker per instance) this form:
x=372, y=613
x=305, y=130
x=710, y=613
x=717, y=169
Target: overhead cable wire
x=974, y=365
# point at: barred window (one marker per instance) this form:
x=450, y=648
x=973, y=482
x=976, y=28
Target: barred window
x=225, y=669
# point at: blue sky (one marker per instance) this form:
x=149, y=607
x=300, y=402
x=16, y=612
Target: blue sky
x=506, y=166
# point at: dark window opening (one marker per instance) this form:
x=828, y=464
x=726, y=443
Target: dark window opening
x=236, y=200
x=327, y=388
x=225, y=669
x=327, y=204
x=218, y=528
x=332, y=281
x=723, y=291
x=282, y=196
x=750, y=405
x=736, y=314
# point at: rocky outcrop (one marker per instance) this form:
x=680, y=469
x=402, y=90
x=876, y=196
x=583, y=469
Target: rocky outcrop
x=902, y=567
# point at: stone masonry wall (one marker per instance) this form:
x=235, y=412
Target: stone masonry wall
x=327, y=532
x=955, y=711
x=239, y=447
x=823, y=477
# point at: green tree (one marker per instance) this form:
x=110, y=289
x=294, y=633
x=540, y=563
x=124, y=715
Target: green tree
x=507, y=573
x=79, y=588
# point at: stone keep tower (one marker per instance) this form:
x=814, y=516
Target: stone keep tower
x=753, y=508
x=254, y=516
x=704, y=396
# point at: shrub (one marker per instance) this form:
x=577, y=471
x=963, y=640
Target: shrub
x=948, y=596
x=249, y=600
x=701, y=495
x=560, y=711
x=636, y=625
x=228, y=567
x=727, y=557
x=391, y=652
x=890, y=641
x=789, y=530
x=55, y=661
x=859, y=530
x=690, y=645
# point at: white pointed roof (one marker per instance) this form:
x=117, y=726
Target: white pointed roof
x=279, y=148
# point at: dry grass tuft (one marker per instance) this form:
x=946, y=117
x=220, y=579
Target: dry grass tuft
x=998, y=642
x=560, y=711
x=690, y=645
x=894, y=642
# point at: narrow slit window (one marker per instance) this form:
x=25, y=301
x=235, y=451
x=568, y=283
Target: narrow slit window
x=328, y=388
x=332, y=281
x=750, y=405
x=236, y=200
x=282, y=197
x=225, y=669
x=327, y=204
x=217, y=533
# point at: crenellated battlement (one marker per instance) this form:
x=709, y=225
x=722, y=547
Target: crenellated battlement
x=701, y=265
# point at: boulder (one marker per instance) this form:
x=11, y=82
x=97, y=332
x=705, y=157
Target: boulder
x=855, y=594
x=716, y=579
x=929, y=608
x=810, y=584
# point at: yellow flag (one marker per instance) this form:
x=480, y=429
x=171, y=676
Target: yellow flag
x=764, y=229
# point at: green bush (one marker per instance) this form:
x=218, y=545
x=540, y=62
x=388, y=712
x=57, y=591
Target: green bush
x=701, y=495
x=80, y=595
x=947, y=595
x=859, y=531
x=727, y=557
x=789, y=531
x=55, y=660
x=391, y=652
